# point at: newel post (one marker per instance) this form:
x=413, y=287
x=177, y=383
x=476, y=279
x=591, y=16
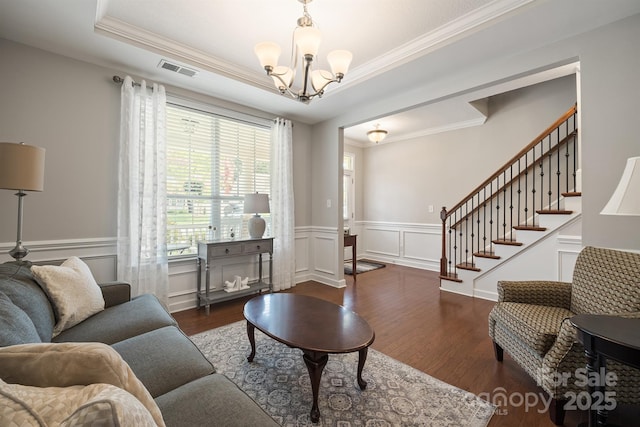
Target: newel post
x=443, y=257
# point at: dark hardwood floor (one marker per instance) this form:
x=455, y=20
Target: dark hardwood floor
x=442, y=334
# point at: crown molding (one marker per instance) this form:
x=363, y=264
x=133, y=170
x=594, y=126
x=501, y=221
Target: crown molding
x=422, y=45
x=431, y=40
x=120, y=30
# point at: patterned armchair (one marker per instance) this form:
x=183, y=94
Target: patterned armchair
x=531, y=322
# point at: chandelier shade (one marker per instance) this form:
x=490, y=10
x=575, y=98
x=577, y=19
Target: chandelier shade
x=306, y=42
x=268, y=54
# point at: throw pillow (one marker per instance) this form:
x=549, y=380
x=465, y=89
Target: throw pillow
x=73, y=291
x=95, y=404
x=69, y=364
x=15, y=325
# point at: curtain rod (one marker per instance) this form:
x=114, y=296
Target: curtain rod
x=119, y=80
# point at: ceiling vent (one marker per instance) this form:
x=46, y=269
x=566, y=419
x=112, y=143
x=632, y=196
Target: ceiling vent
x=177, y=68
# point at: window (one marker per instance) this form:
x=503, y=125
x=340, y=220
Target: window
x=212, y=161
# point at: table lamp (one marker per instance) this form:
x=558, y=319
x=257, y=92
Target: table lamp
x=256, y=203
x=626, y=199
x=21, y=169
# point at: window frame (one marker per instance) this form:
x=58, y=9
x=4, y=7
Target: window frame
x=222, y=113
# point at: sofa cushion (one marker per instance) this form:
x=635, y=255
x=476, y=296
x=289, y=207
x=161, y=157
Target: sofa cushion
x=72, y=290
x=164, y=359
x=142, y=314
x=535, y=325
x=17, y=282
x=211, y=400
x=69, y=364
x=95, y=404
x=15, y=325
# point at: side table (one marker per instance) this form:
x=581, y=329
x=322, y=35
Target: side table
x=604, y=337
x=351, y=240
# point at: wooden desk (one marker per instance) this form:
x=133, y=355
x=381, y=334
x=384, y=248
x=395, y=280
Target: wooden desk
x=350, y=240
x=606, y=337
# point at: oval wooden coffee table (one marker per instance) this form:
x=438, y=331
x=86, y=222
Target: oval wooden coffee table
x=315, y=326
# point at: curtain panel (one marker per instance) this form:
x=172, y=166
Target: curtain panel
x=141, y=247
x=282, y=205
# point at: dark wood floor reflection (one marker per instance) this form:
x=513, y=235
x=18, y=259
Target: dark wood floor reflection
x=442, y=334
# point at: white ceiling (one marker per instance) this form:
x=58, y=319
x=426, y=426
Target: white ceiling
x=216, y=38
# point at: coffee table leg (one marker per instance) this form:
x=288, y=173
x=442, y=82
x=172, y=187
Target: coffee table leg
x=362, y=357
x=252, y=339
x=315, y=361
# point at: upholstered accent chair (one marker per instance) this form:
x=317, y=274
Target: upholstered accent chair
x=531, y=323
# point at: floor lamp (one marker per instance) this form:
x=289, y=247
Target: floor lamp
x=626, y=199
x=21, y=169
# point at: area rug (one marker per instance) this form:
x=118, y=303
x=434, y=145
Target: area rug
x=362, y=266
x=396, y=394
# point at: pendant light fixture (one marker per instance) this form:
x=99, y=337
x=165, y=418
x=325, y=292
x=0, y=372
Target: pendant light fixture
x=376, y=135
x=306, y=40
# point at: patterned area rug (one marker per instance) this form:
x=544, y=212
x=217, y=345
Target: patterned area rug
x=362, y=266
x=396, y=394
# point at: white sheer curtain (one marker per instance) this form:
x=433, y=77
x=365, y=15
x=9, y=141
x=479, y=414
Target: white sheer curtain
x=142, y=248
x=282, y=205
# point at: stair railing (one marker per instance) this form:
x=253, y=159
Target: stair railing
x=531, y=182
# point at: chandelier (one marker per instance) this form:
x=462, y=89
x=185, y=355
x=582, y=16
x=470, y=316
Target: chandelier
x=304, y=47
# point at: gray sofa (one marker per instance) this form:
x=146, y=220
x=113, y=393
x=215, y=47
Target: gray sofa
x=178, y=377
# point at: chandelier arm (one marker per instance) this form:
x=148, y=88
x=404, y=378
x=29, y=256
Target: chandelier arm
x=284, y=88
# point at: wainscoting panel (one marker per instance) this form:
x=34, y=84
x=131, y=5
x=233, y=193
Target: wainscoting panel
x=382, y=241
x=302, y=253
x=408, y=244
x=98, y=253
x=325, y=255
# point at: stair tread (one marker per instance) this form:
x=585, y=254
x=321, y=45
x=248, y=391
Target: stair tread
x=490, y=255
x=468, y=266
x=452, y=277
x=554, y=212
x=530, y=228
x=507, y=242
x=572, y=194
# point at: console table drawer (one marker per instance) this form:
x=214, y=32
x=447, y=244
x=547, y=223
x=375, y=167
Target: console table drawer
x=226, y=250
x=260, y=246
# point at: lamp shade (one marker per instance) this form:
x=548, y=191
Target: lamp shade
x=308, y=40
x=267, y=53
x=256, y=203
x=286, y=76
x=320, y=78
x=21, y=167
x=626, y=198
x=339, y=61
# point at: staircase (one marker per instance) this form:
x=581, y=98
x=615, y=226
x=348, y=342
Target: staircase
x=532, y=197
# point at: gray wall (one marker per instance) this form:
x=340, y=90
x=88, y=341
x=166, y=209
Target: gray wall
x=71, y=108
x=401, y=179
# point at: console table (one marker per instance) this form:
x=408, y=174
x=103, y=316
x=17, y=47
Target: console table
x=603, y=337
x=219, y=250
